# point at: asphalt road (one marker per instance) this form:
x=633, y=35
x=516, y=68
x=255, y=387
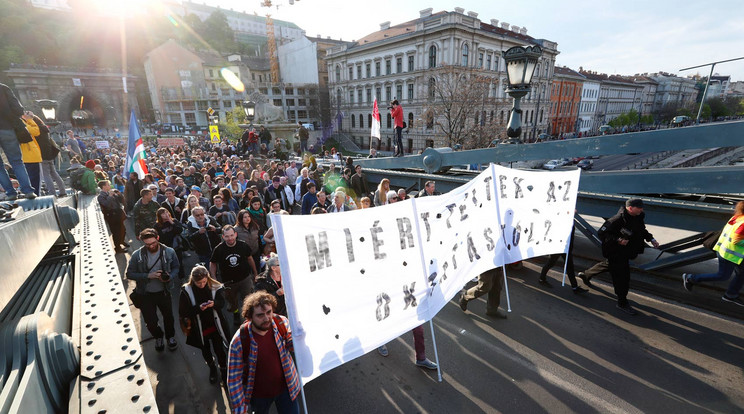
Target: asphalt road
x=557, y=352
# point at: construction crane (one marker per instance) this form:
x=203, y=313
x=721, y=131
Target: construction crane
x=273, y=58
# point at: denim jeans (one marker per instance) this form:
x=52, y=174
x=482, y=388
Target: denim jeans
x=12, y=150
x=737, y=282
x=725, y=268
x=51, y=176
x=34, y=175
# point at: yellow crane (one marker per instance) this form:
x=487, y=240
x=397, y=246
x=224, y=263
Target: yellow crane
x=273, y=58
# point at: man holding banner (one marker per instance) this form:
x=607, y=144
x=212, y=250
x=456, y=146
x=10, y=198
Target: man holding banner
x=488, y=282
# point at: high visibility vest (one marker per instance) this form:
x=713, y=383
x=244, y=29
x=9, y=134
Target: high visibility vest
x=726, y=247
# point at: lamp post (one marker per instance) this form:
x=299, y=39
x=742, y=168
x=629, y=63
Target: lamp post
x=520, y=66
x=249, y=107
x=49, y=110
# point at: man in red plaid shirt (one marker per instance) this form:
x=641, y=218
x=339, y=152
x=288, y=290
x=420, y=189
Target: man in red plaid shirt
x=260, y=368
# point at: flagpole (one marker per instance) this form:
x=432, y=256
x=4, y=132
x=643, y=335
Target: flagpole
x=436, y=353
x=565, y=260
x=506, y=288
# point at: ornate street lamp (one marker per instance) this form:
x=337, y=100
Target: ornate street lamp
x=250, y=110
x=49, y=110
x=520, y=66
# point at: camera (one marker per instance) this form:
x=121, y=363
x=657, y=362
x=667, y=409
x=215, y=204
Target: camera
x=165, y=276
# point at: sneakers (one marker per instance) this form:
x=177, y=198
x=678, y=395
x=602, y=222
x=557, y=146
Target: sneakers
x=579, y=289
x=463, y=303
x=172, y=344
x=545, y=283
x=383, y=351
x=159, y=344
x=686, y=282
x=584, y=278
x=30, y=196
x=627, y=309
x=213, y=373
x=426, y=363
x=735, y=301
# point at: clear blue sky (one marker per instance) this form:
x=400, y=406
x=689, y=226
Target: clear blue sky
x=624, y=37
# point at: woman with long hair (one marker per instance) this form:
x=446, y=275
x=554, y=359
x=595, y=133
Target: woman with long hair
x=250, y=232
x=730, y=252
x=227, y=198
x=168, y=230
x=200, y=313
x=149, y=179
x=381, y=193
x=271, y=281
x=191, y=202
x=245, y=201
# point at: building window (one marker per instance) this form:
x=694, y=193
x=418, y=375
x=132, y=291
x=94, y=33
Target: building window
x=399, y=91
x=277, y=102
x=480, y=60
x=378, y=94
x=488, y=62
x=351, y=97
x=410, y=120
x=389, y=120
x=301, y=102
x=353, y=121
x=369, y=95
x=387, y=93
x=465, y=51
x=361, y=121
x=351, y=72
x=190, y=118
x=338, y=73
x=369, y=120
x=410, y=91
x=387, y=67
x=432, y=88
x=398, y=65
x=429, y=120
x=367, y=70
x=290, y=102
x=359, y=96
x=377, y=68
x=432, y=56
x=211, y=73
x=410, y=63
x=359, y=72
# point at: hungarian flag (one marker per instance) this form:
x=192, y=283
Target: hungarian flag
x=375, y=122
x=136, y=154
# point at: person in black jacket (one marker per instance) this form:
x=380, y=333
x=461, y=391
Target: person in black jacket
x=204, y=233
x=169, y=229
x=111, y=202
x=10, y=118
x=271, y=282
x=622, y=237
x=49, y=152
x=200, y=312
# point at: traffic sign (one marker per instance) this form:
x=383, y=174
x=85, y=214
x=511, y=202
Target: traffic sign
x=210, y=111
x=214, y=134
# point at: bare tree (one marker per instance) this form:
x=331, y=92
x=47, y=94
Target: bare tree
x=460, y=106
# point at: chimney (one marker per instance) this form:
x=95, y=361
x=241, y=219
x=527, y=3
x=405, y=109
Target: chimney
x=495, y=22
x=523, y=31
x=385, y=25
x=459, y=10
x=505, y=25
x=515, y=28
x=425, y=12
x=473, y=14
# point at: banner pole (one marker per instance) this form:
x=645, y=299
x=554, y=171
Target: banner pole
x=506, y=288
x=302, y=394
x=436, y=353
x=565, y=260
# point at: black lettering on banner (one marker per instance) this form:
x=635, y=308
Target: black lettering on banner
x=425, y=217
x=502, y=186
x=551, y=192
x=487, y=180
x=568, y=186
x=490, y=245
x=516, y=234
x=444, y=270
x=472, y=253
x=454, y=259
x=548, y=225
x=503, y=236
x=349, y=245
x=475, y=200
x=463, y=214
x=409, y=298
x=531, y=232
x=376, y=242
x=451, y=208
x=518, y=187
x=405, y=232
x=319, y=256
x=383, y=306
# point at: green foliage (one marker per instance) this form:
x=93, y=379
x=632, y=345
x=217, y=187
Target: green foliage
x=628, y=118
x=229, y=127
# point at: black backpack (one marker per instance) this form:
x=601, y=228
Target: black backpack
x=76, y=179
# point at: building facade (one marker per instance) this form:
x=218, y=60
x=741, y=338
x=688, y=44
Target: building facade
x=648, y=94
x=673, y=90
x=617, y=95
x=565, y=97
x=719, y=86
x=589, y=123
x=405, y=60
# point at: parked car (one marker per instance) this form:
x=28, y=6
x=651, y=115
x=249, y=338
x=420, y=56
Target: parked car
x=576, y=160
x=565, y=161
x=585, y=164
x=551, y=165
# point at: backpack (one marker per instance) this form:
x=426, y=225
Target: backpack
x=76, y=179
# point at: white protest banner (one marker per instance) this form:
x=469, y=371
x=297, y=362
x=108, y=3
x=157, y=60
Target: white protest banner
x=353, y=281
x=356, y=280
x=169, y=142
x=536, y=210
x=102, y=144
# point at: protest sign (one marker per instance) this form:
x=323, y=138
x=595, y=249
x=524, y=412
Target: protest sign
x=102, y=144
x=169, y=142
x=356, y=280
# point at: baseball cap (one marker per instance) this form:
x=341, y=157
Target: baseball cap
x=196, y=188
